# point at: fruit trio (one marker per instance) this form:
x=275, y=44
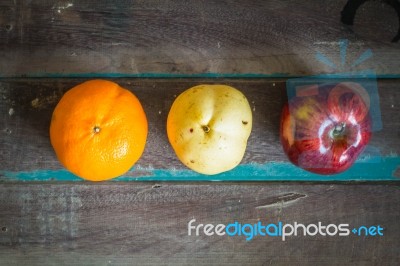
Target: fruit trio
x=99, y=130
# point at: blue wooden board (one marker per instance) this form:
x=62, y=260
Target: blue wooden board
x=365, y=169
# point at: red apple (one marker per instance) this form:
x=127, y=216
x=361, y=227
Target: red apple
x=325, y=132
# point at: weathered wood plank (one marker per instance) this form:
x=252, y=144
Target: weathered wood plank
x=143, y=224
x=136, y=38
x=26, y=107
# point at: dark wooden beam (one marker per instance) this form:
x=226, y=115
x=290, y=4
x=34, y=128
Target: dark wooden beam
x=140, y=223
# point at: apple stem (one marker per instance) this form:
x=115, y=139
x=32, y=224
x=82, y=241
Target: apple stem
x=339, y=129
x=206, y=129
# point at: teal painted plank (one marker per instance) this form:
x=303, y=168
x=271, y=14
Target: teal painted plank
x=365, y=169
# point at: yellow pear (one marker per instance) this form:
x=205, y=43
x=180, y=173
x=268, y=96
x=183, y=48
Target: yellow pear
x=208, y=127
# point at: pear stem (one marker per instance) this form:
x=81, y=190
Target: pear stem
x=206, y=129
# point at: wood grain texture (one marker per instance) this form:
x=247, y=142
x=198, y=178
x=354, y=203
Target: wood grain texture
x=26, y=107
x=146, y=223
x=273, y=38
x=143, y=224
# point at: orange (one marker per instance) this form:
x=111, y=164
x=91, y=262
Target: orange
x=98, y=130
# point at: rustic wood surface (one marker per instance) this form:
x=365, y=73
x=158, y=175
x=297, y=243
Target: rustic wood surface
x=134, y=223
x=146, y=223
x=48, y=38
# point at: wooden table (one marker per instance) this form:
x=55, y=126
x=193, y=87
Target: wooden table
x=157, y=50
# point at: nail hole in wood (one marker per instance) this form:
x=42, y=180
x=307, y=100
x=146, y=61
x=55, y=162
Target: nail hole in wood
x=4, y=229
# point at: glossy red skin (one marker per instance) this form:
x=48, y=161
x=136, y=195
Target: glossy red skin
x=306, y=131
